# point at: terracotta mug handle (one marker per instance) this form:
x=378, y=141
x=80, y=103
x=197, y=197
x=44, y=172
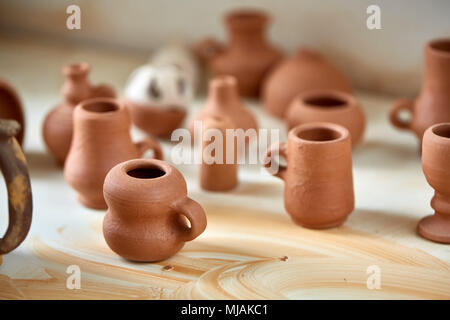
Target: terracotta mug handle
x=14, y=168
x=281, y=149
x=150, y=144
x=195, y=214
x=399, y=105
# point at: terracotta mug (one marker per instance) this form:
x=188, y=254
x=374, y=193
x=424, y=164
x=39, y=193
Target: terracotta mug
x=101, y=139
x=15, y=172
x=318, y=177
x=436, y=167
x=147, y=203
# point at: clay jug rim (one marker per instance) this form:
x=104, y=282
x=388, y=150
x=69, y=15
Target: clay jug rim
x=440, y=131
x=246, y=18
x=100, y=106
x=76, y=68
x=326, y=100
x=440, y=47
x=223, y=81
x=145, y=170
x=319, y=133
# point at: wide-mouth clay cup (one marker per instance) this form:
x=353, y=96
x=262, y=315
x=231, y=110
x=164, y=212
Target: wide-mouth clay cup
x=318, y=177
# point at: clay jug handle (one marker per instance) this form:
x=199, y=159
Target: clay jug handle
x=14, y=168
x=150, y=144
x=273, y=167
x=207, y=49
x=195, y=214
x=399, y=105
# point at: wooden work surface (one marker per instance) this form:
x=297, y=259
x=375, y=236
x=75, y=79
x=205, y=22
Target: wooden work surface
x=250, y=249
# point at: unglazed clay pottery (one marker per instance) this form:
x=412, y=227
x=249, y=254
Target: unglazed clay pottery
x=11, y=107
x=328, y=106
x=58, y=125
x=101, y=139
x=318, y=177
x=223, y=100
x=433, y=104
x=307, y=70
x=157, y=98
x=147, y=203
x=248, y=56
x=436, y=167
x=219, y=169
x=15, y=172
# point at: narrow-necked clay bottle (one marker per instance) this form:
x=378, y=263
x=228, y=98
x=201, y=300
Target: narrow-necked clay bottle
x=318, y=177
x=219, y=169
x=436, y=167
x=223, y=100
x=248, y=56
x=307, y=70
x=101, y=139
x=328, y=106
x=147, y=203
x=13, y=166
x=58, y=124
x=433, y=104
x=11, y=107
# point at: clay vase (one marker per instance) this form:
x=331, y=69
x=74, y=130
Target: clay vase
x=147, y=206
x=328, y=106
x=307, y=70
x=101, y=139
x=157, y=98
x=223, y=100
x=248, y=57
x=13, y=166
x=433, y=104
x=219, y=168
x=58, y=124
x=318, y=177
x=436, y=167
x=11, y=107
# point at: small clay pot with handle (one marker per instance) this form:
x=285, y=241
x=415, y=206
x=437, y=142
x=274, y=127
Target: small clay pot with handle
x=147, y=206
x=101, y=139
x=318, y=177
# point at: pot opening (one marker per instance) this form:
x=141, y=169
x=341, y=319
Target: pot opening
x=441, y=45
x=325, y=102
x=319, y=134
x=146, y=173
x=101, y=107
x=442, y=131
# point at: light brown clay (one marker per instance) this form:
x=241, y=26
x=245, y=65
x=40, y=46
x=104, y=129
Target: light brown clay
x=307, y=70
x=223, y=100
x=318, y=177
x=219, y=169
x=11, y=107
x=436, y=167
x=101, y=139
x=147, y=206
x=248, y=57
x=328, y=106
x=433, y=103
x=58, y=124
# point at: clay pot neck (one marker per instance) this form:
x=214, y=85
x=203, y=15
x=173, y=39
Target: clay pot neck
x=76, y=71
x=247, y=28
x=103, y=115
x=437, y=58
x=223, y=93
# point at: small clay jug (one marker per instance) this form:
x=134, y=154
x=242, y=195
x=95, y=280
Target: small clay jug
x=248, y=57
x=436, y=167
x=11, y=107
x=223, y=100
x=15, y=172
x=147, y=206
x=58, y=124
x=219, y=168
x=328, y=106
x=101, y=139
x=318, y=177
x=307, y=70
x=433, y=104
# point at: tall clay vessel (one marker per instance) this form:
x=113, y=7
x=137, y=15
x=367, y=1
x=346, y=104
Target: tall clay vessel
x=101, y=139
x=58, y=125
x=436, y=167
x=248, y=57
x=147, y=203
x=307, y=70
x=433, y=104
x=318, y=177
x=328, y=106
x=11, y=107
